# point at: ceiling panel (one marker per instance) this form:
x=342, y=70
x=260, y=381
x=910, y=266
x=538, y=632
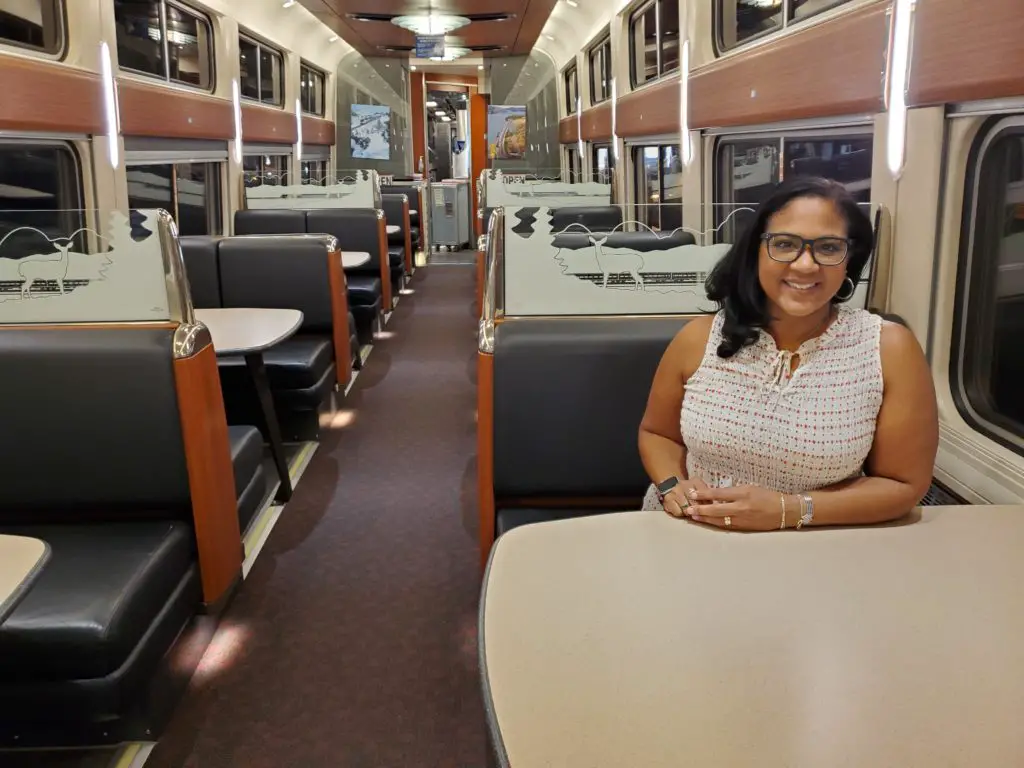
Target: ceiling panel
x=512, y=36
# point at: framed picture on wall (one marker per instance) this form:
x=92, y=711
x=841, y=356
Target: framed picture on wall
x=371, y=132
x=506, y=132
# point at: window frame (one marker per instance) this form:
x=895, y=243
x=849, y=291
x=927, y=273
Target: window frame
x=640, y=178
x=788, y=21
x=602, y=47
x=203, y=18
x=304, y=68
x=260, y=44
x=964, y=383
x=214, y=208
x=635, y=16
x=594, y=169
x=570, y=103
x=58, y=8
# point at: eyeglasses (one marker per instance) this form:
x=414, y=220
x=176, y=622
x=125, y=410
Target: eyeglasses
x=786, y=248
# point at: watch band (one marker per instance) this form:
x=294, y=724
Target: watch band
x=806, y=511
x=665, y=486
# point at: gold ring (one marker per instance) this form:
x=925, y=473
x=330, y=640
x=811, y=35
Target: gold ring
x=728, y=520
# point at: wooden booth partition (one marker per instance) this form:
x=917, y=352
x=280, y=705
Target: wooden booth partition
x=339, y=319
x=485, y=452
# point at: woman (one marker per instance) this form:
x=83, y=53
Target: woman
x=787, y=408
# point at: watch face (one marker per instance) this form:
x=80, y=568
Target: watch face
x=668, y=485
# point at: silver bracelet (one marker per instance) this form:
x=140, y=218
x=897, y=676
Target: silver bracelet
x=806, y=511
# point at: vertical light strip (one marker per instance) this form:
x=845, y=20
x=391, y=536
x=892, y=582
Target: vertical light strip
x=898, y=66
x=579, y=128
x=684, y=104
x=110, y=105
x=615, y=132
x=298, y=131
x=236, y=104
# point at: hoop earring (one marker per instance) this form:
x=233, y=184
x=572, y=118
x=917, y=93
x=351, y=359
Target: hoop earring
x=849, y=295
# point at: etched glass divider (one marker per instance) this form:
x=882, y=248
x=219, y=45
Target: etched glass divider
x=592, y=268
x=342, y=189
x=110, y=267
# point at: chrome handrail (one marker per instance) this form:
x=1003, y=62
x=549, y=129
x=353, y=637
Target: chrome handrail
x=493, y=303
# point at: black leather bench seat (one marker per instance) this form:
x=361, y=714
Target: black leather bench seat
x=297, y=363
x=396, y=257
x=363, y=290
x=246, y=454
x=98, y=596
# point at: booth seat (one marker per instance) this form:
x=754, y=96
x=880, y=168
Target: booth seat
x=97, y=426
x=279, y=272
x=367, y=285
x=415, y=221
x=396, y=212
x=568, y=397
x=596, y=218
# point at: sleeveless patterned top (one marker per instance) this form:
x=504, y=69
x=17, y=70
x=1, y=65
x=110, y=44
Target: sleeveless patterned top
x=751, y=420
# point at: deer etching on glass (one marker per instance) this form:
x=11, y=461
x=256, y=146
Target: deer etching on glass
x=617, y=263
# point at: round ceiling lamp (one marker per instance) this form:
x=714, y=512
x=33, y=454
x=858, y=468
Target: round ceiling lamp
x=451, y=53
x=430, y=23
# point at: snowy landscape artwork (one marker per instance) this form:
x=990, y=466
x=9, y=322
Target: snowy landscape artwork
x=371, y=132
x=45, y=278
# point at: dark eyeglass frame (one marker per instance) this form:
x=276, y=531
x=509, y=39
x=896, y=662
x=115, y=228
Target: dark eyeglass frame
x=804, y=243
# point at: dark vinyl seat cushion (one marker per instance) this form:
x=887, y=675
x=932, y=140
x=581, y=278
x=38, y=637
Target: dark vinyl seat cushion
x=507, y=518
x=270, y=221
x=363, y=290
x=396, y=257
x=296, y=363
x=246, y=455
x=101, y=590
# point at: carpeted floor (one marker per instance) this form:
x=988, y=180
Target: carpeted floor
x=352, y=643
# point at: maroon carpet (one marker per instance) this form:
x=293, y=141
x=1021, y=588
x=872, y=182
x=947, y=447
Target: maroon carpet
x=352, y=642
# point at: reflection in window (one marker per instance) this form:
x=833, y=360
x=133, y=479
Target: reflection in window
x=748, y=169
x=575, y=165
x=265, y=170
x=40, y=188
x=604, y=164
x=654, y=41
x=742, y=20
x=261, y=72
x=659, y=191
x=601, y=71
x=165, y=40
x=988, y=364
x=314, y=172
x=190, y=192
x=32, y=24
x=572, y=90
x=311, y=90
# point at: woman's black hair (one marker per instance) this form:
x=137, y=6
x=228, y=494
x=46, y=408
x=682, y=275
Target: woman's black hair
x=734, y=282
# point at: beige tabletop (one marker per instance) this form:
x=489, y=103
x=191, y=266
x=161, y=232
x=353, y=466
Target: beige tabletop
x=244, y=330
x=21, y=560
x=392, y=228
x=636, y=639
x=352, y=259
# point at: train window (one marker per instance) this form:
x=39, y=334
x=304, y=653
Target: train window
x=311, y=90
x=41, y=189
x=164, y=39
x=314, y=172
x=600, y=58
x=188, y=191
x=37, y=24
x=604, y=164
x=659, y=193
x=269, y=170
x=654, y=41
x=738, y=21
x=572, y=89
x=575, y=165
x=747, y=169
x=261, y=71
x=986, y=363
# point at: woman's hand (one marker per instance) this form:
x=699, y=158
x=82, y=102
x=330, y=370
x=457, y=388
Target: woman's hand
x=744, y=508
x=680, y=501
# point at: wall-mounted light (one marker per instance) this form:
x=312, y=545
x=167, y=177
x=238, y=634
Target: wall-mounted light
x=236, y=104
x=898, y=65
x=110, y=105
x=332, y=39
x=684, y=104
x=479, y=66
x=298, y=131
x=579, y=127
x=615, y=134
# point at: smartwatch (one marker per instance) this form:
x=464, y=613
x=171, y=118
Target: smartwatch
x=665, y=486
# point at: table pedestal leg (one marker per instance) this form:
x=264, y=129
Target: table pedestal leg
x=258, y=371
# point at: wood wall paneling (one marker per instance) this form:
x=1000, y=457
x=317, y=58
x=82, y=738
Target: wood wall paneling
x=596, y=122
x=825, y=70
x=568, y=130
x=315, y=130
x=157, y=110
x=269, y=124
x=485, y=452
x=966, y=51
x=477, y=145
x=204, y=430
x=417, y=97
x=45, y=97
x=651, y=111
x=339, y=319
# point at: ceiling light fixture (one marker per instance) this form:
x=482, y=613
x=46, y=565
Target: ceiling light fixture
x=451, y=53
x=431, y=103
x=479, y=66
x=572, y=3
x=430, y=24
